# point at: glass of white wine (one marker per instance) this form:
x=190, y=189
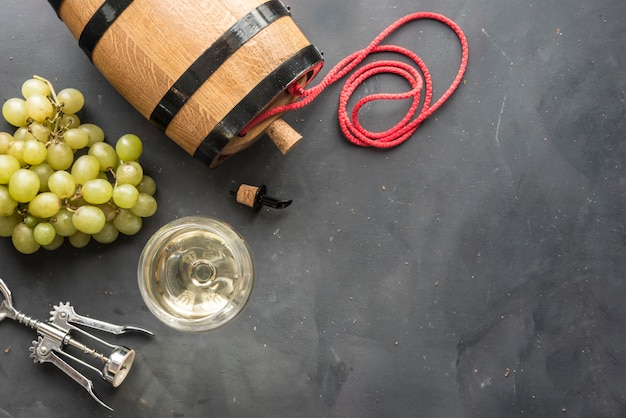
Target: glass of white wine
x=196, y=273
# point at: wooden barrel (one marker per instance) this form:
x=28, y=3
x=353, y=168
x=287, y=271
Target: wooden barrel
x=200, y=70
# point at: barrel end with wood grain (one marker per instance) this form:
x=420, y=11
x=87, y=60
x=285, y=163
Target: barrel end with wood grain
x=199, y=70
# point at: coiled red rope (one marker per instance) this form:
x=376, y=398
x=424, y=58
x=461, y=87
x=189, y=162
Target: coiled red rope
x=417, y=75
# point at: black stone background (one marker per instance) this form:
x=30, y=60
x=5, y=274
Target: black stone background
x=475, y=271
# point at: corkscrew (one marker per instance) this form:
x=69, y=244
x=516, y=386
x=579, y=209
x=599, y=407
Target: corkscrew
x=56, y=334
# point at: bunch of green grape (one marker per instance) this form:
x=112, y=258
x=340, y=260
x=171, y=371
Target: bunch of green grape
x=59, y=179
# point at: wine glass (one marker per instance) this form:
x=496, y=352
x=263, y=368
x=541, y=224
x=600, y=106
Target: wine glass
x=196, y=273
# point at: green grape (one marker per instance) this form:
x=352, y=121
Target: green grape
x=16, y=149
x=146, y=206
x=76, y=138
x=24, y=185
x=24, y=240
x=109, y=211
x=79, y=239
x=39, y=107
x=14, y=112
x=7, y=203
x=97, y=191
x=105, y=154
x=23, y=134
x=125, y=196
x=31, y=221
x=147, y=185
x=8, y=223
x=85, y=168
x=89, y=219
x=63, y=223
x=43, y=171
x=69, y=121
x=129, y=147
x=129, y=172
x=34, y=86
x=44, y=233
x=8, y=165
x=62, y=184
x=45, y=205
x=54, y=245
x=72, y=100
x=60, y=156
x=40, y=131
x=127, y=222
x=34, y=152
x=108, y=234
x=95, y=133
x=5, y=140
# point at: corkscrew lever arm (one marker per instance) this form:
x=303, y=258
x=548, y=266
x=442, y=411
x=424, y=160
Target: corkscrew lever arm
x=66, y=315
x=41, y=352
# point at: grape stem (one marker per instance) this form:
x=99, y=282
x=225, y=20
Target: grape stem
x=50, y=86
x=57, y=131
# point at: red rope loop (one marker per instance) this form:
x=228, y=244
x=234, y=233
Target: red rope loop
x=417, y=76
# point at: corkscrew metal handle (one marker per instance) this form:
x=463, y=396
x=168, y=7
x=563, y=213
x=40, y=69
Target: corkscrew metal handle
x=6, y=307
x=57, y=333
x=64, y=315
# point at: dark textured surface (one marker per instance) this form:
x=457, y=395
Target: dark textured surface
x=475, y=271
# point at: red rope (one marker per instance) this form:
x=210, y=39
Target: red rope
x=350, y=125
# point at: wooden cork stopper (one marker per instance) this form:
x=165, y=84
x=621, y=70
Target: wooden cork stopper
x=246, y=195
x=255, y=197
x=283, y=135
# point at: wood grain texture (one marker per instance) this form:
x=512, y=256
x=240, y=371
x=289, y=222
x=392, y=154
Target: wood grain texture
x=75, y=15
